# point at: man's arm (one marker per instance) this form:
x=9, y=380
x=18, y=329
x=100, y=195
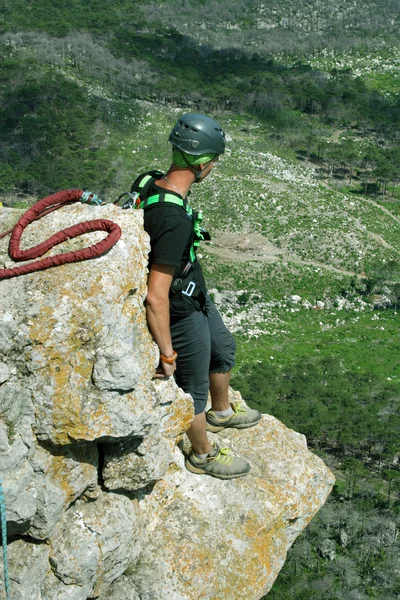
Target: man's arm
x=157, y=310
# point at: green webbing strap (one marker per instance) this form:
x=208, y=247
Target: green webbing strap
x=171, y=198
x=197, y=229
x=4, y=539
x=144, y=181
x=197, y=217
x=198, y=234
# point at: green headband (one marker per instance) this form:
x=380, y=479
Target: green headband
x=179, y=161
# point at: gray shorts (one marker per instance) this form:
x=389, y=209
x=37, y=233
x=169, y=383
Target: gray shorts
x=204, y=345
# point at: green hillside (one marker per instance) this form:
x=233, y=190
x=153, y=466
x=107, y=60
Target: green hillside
x=330, y=95
x=304, y=212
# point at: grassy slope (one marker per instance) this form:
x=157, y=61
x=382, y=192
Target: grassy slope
x=254, y=191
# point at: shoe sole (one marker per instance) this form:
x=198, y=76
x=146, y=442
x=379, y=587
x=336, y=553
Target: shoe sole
x=216, y=428
x=197, y=471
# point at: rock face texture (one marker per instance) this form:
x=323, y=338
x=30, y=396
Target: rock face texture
x=99, y=504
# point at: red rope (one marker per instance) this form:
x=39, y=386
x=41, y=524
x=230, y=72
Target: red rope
x=39, y=210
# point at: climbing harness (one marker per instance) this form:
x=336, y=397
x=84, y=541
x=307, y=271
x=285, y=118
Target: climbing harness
x=4, y=539
x=140, y=189
x=43, y=208
x=184, y=283
x=196, y=217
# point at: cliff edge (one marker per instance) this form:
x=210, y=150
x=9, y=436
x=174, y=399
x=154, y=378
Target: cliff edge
x=99, y=503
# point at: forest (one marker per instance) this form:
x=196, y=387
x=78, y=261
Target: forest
x=88, y=91
x=305, y=106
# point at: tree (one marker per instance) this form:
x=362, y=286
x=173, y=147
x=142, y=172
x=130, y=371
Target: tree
x=7, y=178
x=333, y=156
x=369, y=162
x=355, y=470
x=349, y=156
x=392, y=477
x=383, y=173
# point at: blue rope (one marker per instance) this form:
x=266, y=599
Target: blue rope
x=4, y=538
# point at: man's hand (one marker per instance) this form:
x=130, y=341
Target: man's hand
x=164, y=370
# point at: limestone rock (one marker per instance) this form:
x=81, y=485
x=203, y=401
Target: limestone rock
x=40, y=486
x=94, y=543
x=4, y=372
x=80, y=415
x=28, y=566
x=134, y=464
x=201, y=528
x=4, y=445
x=54, y=589
x=62, y=476
x=19, y=489
x=175, y=408
x=327, y=549
x=122, y=589
x=17, y=410
x=115, y=368
x=85, y=337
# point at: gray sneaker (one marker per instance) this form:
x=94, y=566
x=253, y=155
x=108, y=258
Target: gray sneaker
x=242, y=417
x=221, y=463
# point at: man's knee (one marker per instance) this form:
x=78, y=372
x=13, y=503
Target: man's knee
x=223, y=360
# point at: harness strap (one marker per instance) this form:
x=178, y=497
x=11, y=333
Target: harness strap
x=197, y=217
x=184, y=284
x=165, y=197
x=189, y=288
x=142, y=183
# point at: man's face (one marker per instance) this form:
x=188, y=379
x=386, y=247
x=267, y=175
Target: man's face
x=207, y=169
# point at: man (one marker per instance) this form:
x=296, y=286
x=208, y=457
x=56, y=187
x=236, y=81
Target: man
x=194, y=344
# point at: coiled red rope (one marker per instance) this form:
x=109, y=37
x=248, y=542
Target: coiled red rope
x=39, y=210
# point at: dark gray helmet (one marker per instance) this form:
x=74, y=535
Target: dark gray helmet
x=197, y=134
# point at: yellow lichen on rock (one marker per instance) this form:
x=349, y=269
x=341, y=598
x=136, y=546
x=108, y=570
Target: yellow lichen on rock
x=89, y=413
x=250, y=521
x=86, y=314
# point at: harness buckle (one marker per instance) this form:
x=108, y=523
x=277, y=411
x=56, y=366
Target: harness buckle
x=190, y=289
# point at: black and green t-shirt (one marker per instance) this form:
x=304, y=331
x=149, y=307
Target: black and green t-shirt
x=171, y=235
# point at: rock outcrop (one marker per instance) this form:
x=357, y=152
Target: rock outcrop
x=99, y=504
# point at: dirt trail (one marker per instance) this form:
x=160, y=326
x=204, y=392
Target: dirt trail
x=239, y=247
x=325, y=184
x=383, y=209
x=245, y=247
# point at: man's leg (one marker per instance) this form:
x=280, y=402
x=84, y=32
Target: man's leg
x=222, y=359
x=206, y=459
x=191, y=340
x=197, y=434
x=222, y=413
x=219, y=386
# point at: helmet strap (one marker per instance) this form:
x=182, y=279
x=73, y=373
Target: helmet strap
x=197, y=174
